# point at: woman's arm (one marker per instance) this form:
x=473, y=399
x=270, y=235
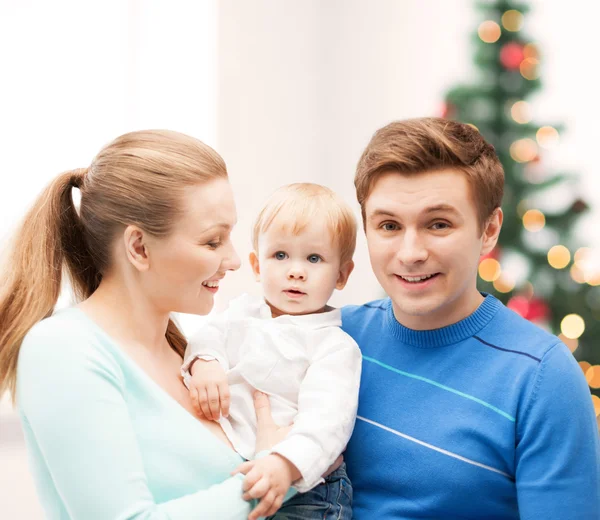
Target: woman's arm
x=71, y=394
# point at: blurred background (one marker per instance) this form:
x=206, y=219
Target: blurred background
x=292, y=90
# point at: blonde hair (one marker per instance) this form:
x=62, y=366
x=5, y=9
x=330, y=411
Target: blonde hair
x=300, y=203
x=139, y=178
x=426, y=144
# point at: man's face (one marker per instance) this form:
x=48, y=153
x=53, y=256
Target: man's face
x=425, y=243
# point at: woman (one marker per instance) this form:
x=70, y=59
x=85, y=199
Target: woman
x=110, y=428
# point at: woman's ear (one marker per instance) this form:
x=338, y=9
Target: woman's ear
x=345, y=271
x=255, y=265
x=136, y=249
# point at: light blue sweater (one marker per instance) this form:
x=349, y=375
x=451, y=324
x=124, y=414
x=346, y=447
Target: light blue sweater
x=488, y=418
x=106, y=442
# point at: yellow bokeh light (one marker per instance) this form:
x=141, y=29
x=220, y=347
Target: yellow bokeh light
x=582, y=254
x=593, y=278
x=547, y=137
x=596, y=403
x=531, y=51
x=571, y=343
x=559, y=257
x=489, y=269
x=529, y=68
x=592, y=376
x=577, y=274
x=534, y=220
x=505, y=283
x=523, y=150
x=572, y=326
x=521, y=112
x=489, y=31
x=512, y=20
x=584, y=365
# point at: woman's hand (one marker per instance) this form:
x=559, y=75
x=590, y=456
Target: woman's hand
x=268, y=434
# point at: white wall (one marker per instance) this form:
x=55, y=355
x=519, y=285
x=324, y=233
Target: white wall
x=74, y=76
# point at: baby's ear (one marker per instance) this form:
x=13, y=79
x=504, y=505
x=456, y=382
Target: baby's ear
x=255, y=265
x=345, y=271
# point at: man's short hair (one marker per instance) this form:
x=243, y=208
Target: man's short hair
x=415, y=146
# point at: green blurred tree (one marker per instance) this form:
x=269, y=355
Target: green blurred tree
x=537, y=269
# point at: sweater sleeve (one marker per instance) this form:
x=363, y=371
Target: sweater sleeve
x=327, y=404
x=72, y=396
x=558, y=448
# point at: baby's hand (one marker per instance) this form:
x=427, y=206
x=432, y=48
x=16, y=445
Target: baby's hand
x=209, y=390
x=269, y=479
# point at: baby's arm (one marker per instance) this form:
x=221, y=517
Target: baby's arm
x=204, y=370
x=327, y=405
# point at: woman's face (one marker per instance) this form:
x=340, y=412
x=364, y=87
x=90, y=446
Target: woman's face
x=185, y=268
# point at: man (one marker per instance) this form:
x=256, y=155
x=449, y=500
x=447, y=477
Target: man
x=466, y=409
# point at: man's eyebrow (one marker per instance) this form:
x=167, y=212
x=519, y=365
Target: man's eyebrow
x=441, y=207
x=382, y=213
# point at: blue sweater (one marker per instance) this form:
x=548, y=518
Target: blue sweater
x=490, y=418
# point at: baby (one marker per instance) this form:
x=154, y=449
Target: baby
x=290, y=346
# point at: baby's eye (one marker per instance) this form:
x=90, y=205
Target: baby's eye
x=314, y=259
x=280, y=255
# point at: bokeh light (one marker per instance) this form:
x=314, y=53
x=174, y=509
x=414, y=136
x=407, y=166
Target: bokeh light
x=489, y=31
x=523, y=150
x=547, y=137
x=571, y=343
x=512, y=20
x=577, y=274
x=529, y=68
x=596, y=403
x=592, y=376
x=572, y=326
x=534, y=220
x=489, y=269
x=521, y=112
x=559, y=257
x=505, y=283
x=531, y=51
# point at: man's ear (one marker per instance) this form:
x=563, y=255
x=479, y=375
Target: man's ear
x=491, y=231
x=345, y=271
x=255, y=265
x=136, y=248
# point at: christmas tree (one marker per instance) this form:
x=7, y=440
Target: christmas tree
x=536, y=269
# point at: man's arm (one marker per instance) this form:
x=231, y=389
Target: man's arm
x=558, y=446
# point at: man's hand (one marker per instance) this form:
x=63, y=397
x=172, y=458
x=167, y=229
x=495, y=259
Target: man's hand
x=269, y=479
x=209, y=389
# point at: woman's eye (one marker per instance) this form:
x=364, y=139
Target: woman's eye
x=389, y=226
x=280, y=255
x=213, y=245
x=314, y=259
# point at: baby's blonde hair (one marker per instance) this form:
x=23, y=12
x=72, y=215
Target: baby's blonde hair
x=299, y=204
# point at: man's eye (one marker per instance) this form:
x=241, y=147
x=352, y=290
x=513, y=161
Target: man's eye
x=280, y=255
x=438, y=226
x=389, y=226
x=314, y=259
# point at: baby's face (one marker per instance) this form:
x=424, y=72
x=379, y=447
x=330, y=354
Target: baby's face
x=298, y=273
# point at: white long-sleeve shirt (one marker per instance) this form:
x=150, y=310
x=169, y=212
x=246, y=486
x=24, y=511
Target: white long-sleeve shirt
x=308, y=366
